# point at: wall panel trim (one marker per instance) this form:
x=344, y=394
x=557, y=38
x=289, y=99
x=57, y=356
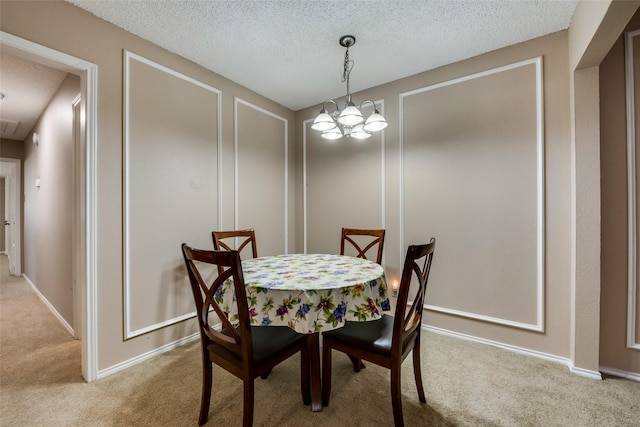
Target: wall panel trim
x=128, y=57
x=632, y=294
x=379, y=103
x=540, y=226
x=236, y=102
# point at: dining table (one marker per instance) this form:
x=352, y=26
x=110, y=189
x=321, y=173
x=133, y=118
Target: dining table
x=310, y=293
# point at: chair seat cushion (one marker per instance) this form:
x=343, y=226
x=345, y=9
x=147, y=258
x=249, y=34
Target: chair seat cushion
x=267, y=341
x=374, y=336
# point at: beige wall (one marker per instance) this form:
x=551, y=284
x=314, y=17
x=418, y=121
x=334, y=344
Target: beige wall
x=47, y=226
x=344, y=188
x=262, y=153
x=614, y=295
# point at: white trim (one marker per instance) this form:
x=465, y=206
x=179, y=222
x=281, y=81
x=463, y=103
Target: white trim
x=128, y=56
x=236, y=101
x=540, y=224
x=89, y=332
x=632, y=293
x=235, y=167
x=148, y=355
x=77, y=244
x=50, y=306
x=481, y=317
x=383, y=178
x=595, y=375
x=89, y=92
x=304, y=184
x=540, y=194
x=401, y=247
x=633, y=376
x=516, y=349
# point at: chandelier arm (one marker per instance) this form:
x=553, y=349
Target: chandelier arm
x=348, y=122
x=324, y=104
x=375, y=110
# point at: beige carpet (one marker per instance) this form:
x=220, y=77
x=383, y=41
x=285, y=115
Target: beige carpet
x=467, y=384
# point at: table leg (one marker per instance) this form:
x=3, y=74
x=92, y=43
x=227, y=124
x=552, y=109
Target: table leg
x=314, y=367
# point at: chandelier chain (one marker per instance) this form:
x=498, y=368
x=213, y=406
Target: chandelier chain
x=346, y=69
x=348, y=122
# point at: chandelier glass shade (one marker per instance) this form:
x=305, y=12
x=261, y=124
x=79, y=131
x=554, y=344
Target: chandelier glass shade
x=349, y=121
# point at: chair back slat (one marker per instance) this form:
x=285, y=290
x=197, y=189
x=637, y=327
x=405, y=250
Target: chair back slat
x=222, y=240
x=417, y=264
x=236, y=240
x=362, y=247
x=235, y=338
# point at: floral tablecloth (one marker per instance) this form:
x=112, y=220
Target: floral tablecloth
x=309, y=292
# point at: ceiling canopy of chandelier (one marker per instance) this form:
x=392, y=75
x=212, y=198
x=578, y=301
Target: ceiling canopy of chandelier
x=348, y=122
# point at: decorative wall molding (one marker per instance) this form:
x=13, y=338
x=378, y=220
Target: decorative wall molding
x=305, y=125
x=538, y=326
x=237, y=101
x=632, y=199
x=129, y=332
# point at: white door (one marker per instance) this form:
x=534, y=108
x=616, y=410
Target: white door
x=10, y=170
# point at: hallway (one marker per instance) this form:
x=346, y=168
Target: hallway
x=34, y=347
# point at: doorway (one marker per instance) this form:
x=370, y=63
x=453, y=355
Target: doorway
x=84, y=232
x=10, y=171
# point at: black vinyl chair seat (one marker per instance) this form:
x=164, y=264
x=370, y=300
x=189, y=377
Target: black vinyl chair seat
x=374, y=336
x=268, y=341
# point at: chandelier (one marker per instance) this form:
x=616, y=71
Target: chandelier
x=349, y=121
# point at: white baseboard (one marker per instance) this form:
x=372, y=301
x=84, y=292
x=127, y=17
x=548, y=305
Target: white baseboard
x=596, y=375
x=633, y=376
x=46, y=302
x=148, y=355
x=519, y=350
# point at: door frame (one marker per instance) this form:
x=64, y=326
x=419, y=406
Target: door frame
x=85, y=258
x=13, y=237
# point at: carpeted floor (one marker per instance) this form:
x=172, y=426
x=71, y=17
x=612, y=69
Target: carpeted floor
x=466, y=383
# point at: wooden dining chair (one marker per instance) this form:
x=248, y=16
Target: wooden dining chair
x=245, y=351
x=226, y=241
x=389, y=340
x=362, y=241
x=247, y=240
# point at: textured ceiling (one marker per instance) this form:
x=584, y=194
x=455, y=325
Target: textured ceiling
x=288, y=51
